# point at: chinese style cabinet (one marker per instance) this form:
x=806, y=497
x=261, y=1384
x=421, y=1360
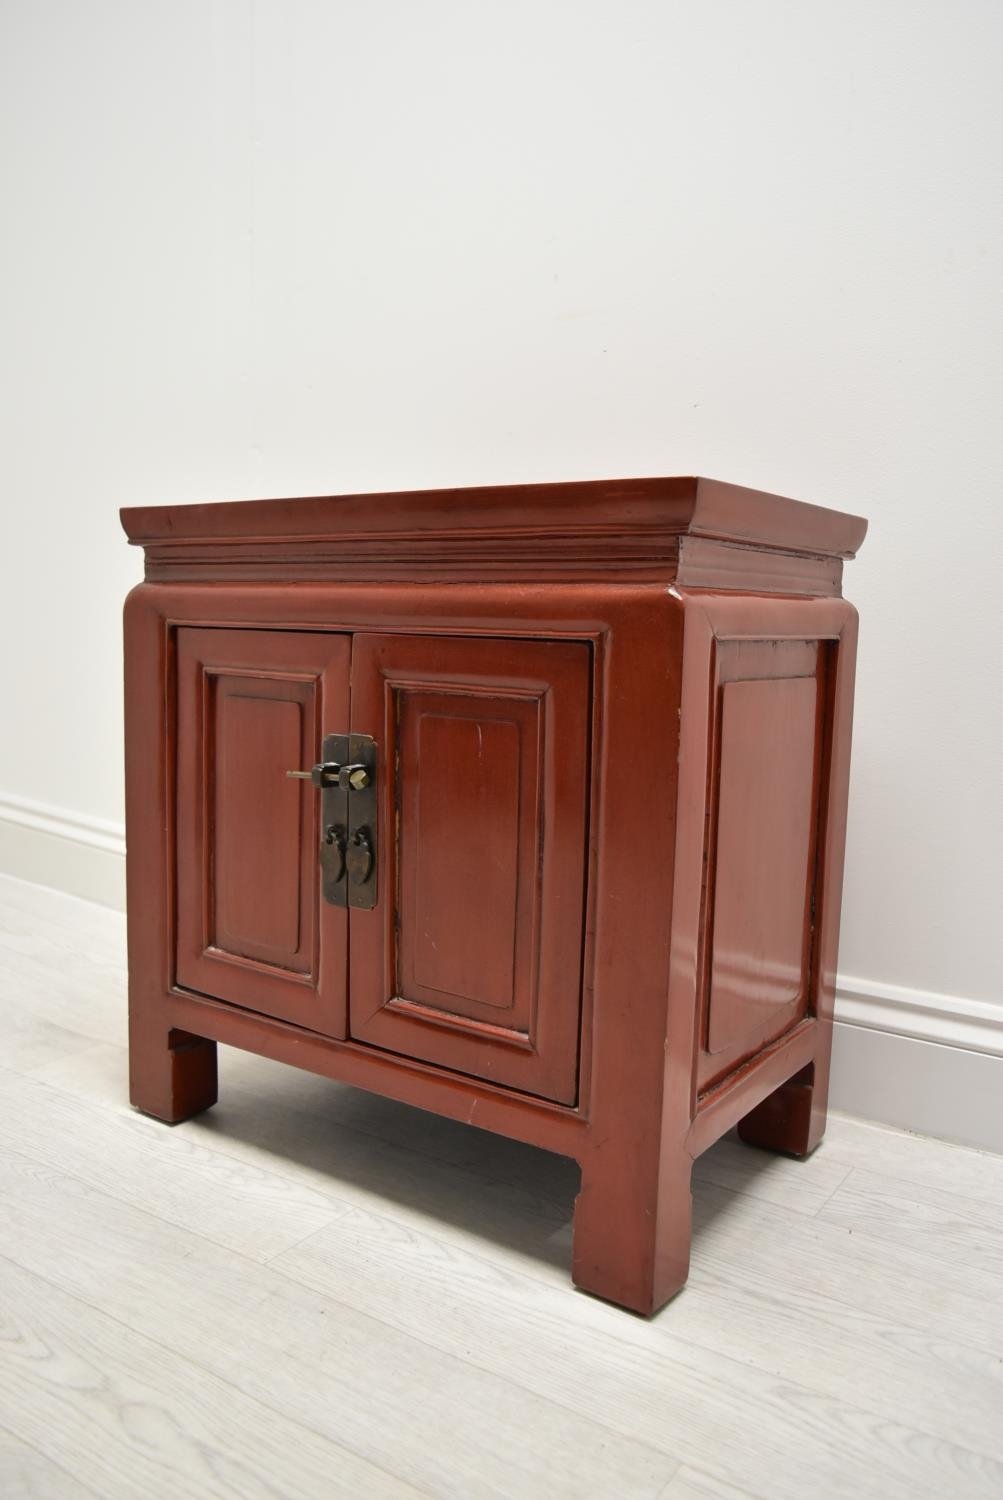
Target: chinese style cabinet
x=525, y=805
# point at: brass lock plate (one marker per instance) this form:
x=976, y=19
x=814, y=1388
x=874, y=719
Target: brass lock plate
x=348, y=853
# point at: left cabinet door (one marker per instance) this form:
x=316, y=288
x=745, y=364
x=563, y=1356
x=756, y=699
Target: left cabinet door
x=251, y=925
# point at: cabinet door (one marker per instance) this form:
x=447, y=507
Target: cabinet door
x=251, y=927
x=472, y=957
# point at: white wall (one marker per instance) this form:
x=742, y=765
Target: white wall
x=286, y=247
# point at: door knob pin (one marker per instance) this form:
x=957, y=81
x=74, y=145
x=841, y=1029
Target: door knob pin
x=354, y=778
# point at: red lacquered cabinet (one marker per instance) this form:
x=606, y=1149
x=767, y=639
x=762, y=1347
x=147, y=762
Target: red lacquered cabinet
x=562, y=846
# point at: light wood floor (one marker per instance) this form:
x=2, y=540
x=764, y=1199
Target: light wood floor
x=310, y=1292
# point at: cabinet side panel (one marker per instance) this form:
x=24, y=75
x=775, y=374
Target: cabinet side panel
x=765, y=788
x=758, y=959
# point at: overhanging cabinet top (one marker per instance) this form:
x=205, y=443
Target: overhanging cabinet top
x=698, y=532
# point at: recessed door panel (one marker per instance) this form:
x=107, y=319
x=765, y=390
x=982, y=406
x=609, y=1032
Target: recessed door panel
x=473, y=957
x=252, y=929
x=766, y=776
x=256, y=820
x=469, y=826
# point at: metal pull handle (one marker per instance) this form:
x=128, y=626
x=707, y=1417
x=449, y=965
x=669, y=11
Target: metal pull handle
x=332, y=854
x=361, y=856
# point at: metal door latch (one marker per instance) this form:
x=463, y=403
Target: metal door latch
x=345, y=776
x=328, y=773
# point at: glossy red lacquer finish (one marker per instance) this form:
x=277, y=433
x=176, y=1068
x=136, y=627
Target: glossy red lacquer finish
x=251, y=705
x=473, y=958
x=613, y=728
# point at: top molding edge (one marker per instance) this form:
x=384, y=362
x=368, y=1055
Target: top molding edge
x=648, y=509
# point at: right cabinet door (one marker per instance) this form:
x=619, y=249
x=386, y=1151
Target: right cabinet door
x=472, y=956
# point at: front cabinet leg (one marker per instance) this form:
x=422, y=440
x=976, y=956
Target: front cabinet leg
x=791, y=1119
x=172, y=1074
x=632, y=1231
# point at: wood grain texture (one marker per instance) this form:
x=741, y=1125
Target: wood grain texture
x=868, y=1360
x=28, y=1474
x=31, y=1044
x=130, y=1418
x=932, y=1310
x=918, y=1159
x=44, y=981
x=134, y=1418
x=390, y=1399
x=236, y=1205
x=468, y=1177
x=727, y=1165
x=941, y=1221
x=444, y=1295
x=697, y=1484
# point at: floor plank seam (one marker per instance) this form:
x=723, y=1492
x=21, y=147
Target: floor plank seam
x=539, y=1199
x=92, y=1046
x=875, y=1417
x=210, y=1374
x=423, y=1155
x=829, y=1196
x=28, y=1443
x=183, y=1131
x=338, y=1206
x=835, y=1314
x=81, y=1182
x=638, y=1443
x=321, y=1229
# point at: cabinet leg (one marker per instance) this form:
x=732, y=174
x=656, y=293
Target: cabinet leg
x=632, y=1244
x=791, y=1119
x=172, y=1075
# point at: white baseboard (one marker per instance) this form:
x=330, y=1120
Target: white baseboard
x=947, y=1020
x=66, y=850
x=924, y=1087
x=924, y=1062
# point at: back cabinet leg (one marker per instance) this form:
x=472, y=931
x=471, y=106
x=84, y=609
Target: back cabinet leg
x=632, y=1230
x=791, y=1119
x=172, y=1075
